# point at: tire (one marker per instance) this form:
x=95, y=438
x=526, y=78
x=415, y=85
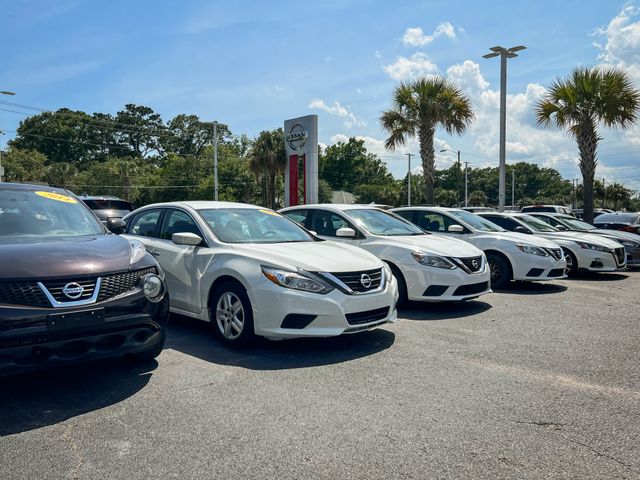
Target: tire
x=403, y=297
x=500, y=270
x=232, y=315
x=150, y=354
x=572, y=262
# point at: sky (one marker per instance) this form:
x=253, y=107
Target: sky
x=253, y=64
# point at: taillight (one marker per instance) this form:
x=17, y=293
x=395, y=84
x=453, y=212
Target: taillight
x=629, y=228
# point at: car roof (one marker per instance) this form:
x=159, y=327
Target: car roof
x=336, y=206
x=100, y=197
x=435, y=209
x=204, y=205
x=32, y=187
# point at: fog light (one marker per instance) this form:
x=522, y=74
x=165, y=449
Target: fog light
x=153, y=287
x=597, y=263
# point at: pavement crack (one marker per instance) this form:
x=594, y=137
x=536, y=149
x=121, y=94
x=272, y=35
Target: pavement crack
x=554, y=425
x=602, y=454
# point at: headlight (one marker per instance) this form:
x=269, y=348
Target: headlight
x=591, y=246
x=294, y=280
x=628, y=243
x=432, y=260
x=387, y=272
x=137, y=251
x=153, y=287
x=532, y=249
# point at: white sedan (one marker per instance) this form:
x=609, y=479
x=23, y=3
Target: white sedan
x=427, y=267
x=583, y=251
x=251, y=271
x=511, y=256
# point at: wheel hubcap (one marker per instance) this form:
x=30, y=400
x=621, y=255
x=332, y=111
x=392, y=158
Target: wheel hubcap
x=569, y=263
x=230, y=315
x=496, y=271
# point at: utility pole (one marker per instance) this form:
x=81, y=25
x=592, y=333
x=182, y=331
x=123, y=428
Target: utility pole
x=458, y=178
x=604, y=193
x=409, y=155
x=574, y=193
x=466, y=183
x=513, y=187
x=215, y=161
x=504, y=54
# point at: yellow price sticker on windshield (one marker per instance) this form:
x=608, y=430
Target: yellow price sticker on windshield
x=269, y=212
x=57, y=196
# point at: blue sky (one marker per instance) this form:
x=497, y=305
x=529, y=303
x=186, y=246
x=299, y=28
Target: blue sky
x=253, y=64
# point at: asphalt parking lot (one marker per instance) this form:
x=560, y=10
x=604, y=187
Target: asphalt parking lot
x=538, y=381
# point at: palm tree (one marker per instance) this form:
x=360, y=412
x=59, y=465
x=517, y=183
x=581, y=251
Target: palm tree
x=268, y=160
x=587, y=98
x=418, y=108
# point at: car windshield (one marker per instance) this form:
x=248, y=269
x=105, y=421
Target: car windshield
x=535, y=224
x=575, y=224
x=32, y=214
x=476, y=222
x=253, y=225
x=108, y=204
x=383, y=223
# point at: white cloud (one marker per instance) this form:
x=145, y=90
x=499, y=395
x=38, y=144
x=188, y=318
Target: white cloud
x=467, y=75
x=415, y=36
x=622, y=38
x=418, y=65
x=338, y=110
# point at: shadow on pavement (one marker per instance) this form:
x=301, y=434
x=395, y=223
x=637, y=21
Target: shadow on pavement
x=47, y=397
x=532, y=288
x=198, y=339
x=600, y=277
x=442, y=310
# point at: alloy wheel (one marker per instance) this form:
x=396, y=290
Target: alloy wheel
x=230, y=315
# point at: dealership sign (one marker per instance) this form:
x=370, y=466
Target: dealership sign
x=301, y=144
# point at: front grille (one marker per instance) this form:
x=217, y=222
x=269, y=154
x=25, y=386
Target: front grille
x=367, y=316
x=535, y=272
x=471, y=289
x=356, y=281
x=55, y=289
x=113, y=285
x=555, y=252
x=620, y=255
x=472, y=264
x=556, y=272
x=22, y=293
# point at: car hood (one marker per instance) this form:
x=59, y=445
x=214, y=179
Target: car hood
x=436, y=244
x=584, y=237
x=64, y=257
x=326, y=256
x=517, y=237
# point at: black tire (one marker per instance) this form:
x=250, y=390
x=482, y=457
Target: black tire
x=500, y=270
x=403, y=297
x=230, y=302
x=151, y=353
x=572, y=262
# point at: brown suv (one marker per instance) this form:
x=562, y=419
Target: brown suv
x=70, y=290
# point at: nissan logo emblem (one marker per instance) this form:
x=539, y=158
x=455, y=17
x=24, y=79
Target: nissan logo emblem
x=297, y=137
x=365, y=280
x=73, y=290
x=474, y=263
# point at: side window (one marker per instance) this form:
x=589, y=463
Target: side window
x=406, y=214
x=431, y=222
x=549, y=220
x=327, y=223
x=177, y=221
x=505, y=223
x=145, y=224
x=298, y=216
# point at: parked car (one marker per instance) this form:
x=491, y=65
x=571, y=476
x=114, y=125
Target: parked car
x=511, y=256
x=106, y=207
x=250, y=271
x=582, y=251
x=427, y=267
x=625, y=221
x=578, y=212
x=479, y=209
x=69, y=289
x=547, y=208
x=630, y=241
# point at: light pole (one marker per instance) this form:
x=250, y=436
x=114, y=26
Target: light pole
x=457, y=172
x=409, y=155
x=466, y=183
x=504, y=54
x=215, y=158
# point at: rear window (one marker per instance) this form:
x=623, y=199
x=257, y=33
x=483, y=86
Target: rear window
x=108, y=204
x=616, y=218
x=538, y=209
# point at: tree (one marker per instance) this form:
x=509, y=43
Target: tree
x=477, y=198
x=186, y=135
x=139, y=128
x=587, y=98
x=23, y=165
x=268, y=160
x=418, y=108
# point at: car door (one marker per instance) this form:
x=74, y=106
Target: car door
x=184, y=265
x=439, y=223
x=145, y=227
x=326, y=224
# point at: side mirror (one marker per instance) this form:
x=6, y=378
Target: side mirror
x=346, y=232
x=116, y=225
x=455, y=229
x=521, y=229
x=561, y=227
x=186, y=238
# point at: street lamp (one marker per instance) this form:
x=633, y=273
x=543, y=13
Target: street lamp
x=458, y=175
x=504, y=54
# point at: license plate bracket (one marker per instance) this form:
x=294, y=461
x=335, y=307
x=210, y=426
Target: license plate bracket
x=85, y=318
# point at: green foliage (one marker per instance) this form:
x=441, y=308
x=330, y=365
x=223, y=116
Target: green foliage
x=23, y=165
x=477, y=198
x=268, y=160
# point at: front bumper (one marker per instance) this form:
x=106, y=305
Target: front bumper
x=529, y=268
x=280, y=313
x=594, y=261
x=429, y=284
x=32, y=338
